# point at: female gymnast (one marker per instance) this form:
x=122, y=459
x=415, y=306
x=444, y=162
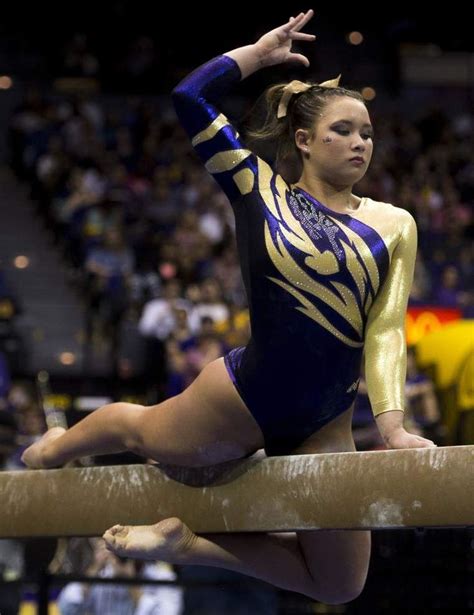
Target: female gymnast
x=327, y=275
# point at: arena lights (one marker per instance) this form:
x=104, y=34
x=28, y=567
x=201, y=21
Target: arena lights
x=355, y=38
x=21, y=261
x=5, y=82
x=368, y=93
x=67, y=358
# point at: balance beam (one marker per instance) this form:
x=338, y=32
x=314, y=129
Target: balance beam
x=356, y=490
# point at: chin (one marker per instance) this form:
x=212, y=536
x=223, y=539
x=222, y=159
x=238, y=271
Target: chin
x=345, y=179
x=356, y=175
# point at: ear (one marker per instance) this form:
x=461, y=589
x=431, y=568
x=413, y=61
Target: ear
x=302, y=139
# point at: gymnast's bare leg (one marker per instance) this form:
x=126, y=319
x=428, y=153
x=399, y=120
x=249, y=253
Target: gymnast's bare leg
x=328, y=566
x=206, y=424
x=184, y=430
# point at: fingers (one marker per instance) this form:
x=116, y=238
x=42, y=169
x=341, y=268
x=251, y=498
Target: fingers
x=298, y=22
x=301, y=36
x=298, y=57
x=301, y=20
x=426, y=442
x=411, y=441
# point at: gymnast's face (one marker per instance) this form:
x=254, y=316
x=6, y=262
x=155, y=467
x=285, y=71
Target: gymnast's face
x=342, y=132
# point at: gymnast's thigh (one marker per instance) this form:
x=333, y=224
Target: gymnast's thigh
x=208, y=423
x=338, y=560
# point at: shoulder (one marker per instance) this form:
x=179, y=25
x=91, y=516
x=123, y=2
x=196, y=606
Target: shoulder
x=401, y=217
x=407, y=225
x=398, y=213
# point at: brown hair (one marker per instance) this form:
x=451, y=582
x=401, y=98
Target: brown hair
x=303, y=109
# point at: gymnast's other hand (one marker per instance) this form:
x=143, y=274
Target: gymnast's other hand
x=274, y=47
x=401, y=438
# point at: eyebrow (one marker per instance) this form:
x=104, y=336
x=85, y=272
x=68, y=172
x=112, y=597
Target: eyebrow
x=350, y=123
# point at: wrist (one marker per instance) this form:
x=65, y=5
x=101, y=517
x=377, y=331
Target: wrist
x=248, y=58
x=389, y=422
x=261, y=55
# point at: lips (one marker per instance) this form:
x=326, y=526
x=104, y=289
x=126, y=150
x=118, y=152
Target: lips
x=357, y=159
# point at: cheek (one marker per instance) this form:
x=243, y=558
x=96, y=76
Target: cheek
x=332, y=144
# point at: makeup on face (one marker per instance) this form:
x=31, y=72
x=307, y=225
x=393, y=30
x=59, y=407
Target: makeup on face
x=342, y=127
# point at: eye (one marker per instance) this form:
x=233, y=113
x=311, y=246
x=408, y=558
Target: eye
x=344, y=132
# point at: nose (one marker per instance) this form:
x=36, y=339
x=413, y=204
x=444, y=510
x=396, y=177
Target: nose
x=359, y=145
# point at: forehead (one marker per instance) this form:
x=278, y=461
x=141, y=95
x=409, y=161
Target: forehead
x=345, y=108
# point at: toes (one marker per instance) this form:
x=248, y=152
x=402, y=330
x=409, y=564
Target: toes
x=118, y=530
x=115, y=547
x=115, y=538
x=109, y=545
x=113, y=543
x=112, y=532
x=109, y=538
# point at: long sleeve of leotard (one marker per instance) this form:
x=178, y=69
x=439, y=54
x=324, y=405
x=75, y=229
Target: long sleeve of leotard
x=214, y=139
x=385, y=343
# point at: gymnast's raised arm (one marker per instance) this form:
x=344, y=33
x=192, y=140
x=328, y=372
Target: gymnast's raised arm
x=196, y=98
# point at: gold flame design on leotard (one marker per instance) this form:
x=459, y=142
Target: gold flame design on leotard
x=296, y=279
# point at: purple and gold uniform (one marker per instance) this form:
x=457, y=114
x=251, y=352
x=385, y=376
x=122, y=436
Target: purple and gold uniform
x=323, y=287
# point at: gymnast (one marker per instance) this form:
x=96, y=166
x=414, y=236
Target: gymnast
x=327, y=276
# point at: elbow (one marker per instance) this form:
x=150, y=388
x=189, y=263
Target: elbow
x=180, y=94
x=385, y=337
x=176, y=92
x=183, y=101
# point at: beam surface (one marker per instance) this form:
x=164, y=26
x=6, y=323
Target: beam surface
x=369, y=490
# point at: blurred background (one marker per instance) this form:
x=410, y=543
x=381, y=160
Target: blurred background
x=119, y=277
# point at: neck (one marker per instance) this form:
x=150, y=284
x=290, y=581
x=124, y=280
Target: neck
x=339, y=198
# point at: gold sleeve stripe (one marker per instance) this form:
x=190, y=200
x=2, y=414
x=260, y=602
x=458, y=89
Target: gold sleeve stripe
x=244, y=180
x=226, y=161
x=211, y=130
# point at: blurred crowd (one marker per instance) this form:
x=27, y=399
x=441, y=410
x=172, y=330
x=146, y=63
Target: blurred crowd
x=148, y=239
x=149, y=236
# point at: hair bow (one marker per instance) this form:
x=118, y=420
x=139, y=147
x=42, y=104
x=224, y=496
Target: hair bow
x=297, y=87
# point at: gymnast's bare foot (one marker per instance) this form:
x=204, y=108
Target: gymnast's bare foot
x=34, y=456
x=169, y=540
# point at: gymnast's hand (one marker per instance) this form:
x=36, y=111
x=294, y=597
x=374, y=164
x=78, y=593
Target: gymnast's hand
x=274, y=47
x=401, y=438
x=394, y=434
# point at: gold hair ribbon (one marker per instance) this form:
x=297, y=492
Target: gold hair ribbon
x=297, y=87
x=332, y=83
x=294, y=87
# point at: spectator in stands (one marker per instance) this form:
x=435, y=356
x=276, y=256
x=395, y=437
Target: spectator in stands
x=449, y=293
x=110, y=268
x=421, y=400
